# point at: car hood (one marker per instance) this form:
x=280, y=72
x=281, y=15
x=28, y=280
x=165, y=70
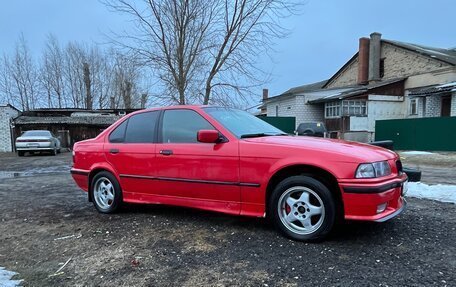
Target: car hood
x=358, y=151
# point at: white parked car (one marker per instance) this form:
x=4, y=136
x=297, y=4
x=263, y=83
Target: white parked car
x=37, y=141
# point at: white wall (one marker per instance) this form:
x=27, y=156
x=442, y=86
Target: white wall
x=298, y=107
x=384, y=108
x=6, y=114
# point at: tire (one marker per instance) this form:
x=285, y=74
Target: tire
x=413, y=175
x=20, y=153
x=302, y=208
x=54, y=151
x=59, y=150
x=105, y=192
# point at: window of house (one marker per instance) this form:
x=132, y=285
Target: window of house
x=332, y=110
x=277, y=111
x=413, y=107
x=354, y=108
x=182, y=126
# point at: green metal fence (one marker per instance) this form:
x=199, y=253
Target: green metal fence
x=286, y=124
x=436, y=134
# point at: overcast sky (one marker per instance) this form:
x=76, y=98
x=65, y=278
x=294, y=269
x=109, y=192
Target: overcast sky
x=323, y=37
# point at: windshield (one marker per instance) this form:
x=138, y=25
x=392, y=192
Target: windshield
x=37, y=134
x=242, y=124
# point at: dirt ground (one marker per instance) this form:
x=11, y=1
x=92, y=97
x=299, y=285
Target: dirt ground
x=436, y=168
x=46, y=221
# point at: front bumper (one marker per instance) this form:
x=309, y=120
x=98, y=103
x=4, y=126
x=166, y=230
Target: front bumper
x=373, y=200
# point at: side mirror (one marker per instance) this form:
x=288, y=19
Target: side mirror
x=208, y=136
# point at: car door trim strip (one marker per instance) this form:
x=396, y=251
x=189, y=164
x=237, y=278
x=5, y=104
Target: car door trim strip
x=248, y=184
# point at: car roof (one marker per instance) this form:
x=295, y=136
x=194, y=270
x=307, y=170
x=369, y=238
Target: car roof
x=187, y=107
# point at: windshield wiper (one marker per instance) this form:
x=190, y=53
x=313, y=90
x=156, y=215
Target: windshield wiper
x=257, y=135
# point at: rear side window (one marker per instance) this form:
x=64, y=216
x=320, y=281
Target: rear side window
x=141, y=128
x=118, y=134
x=181, y=126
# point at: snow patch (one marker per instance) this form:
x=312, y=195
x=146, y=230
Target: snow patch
x=415, y=152
x=5, y=278
x=440, y=192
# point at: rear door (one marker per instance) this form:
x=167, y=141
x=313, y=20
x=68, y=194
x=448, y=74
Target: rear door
x=196, y=174
x=131, y=151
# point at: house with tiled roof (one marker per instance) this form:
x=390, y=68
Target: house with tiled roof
x=384, y=79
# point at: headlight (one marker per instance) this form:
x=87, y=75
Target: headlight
x=371, y=170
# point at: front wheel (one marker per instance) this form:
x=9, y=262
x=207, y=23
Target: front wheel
x=302, y=208
x=105, y=192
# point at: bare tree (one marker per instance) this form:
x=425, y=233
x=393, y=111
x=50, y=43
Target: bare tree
x=52, y=73
x=87, y=84
x=24, y=76
x=208, y=43
x=127, y=74
x=170, y=37
x=6, y=82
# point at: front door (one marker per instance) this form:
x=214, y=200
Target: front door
x=446, y=106
x=196, y=174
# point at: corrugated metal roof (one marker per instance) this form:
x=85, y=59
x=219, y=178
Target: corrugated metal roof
x=341, y=93
x=80, y=120
x=435, y=89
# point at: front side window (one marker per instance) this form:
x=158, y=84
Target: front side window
x=182, y=126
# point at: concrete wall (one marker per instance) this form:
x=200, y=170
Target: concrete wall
x=286, y=108
x=297, y=107
x=6, y=114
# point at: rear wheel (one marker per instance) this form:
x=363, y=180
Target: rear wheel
x=20, y=153
x=105, y=192
x=302, y=208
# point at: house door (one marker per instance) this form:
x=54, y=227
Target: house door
x=446, y=106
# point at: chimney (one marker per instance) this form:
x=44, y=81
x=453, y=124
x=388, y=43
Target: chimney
x=363, y=61
x=374, y=56
x=265, y=97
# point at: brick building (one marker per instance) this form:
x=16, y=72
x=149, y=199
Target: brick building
x=7, y=113
x=385, y=79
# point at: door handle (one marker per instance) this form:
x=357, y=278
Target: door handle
x=114, y=151
x=166, y=152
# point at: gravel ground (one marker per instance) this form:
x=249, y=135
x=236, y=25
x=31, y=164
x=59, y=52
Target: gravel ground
x=46, y=221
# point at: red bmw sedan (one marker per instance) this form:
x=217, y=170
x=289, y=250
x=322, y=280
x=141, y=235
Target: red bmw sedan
x=227, y=160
